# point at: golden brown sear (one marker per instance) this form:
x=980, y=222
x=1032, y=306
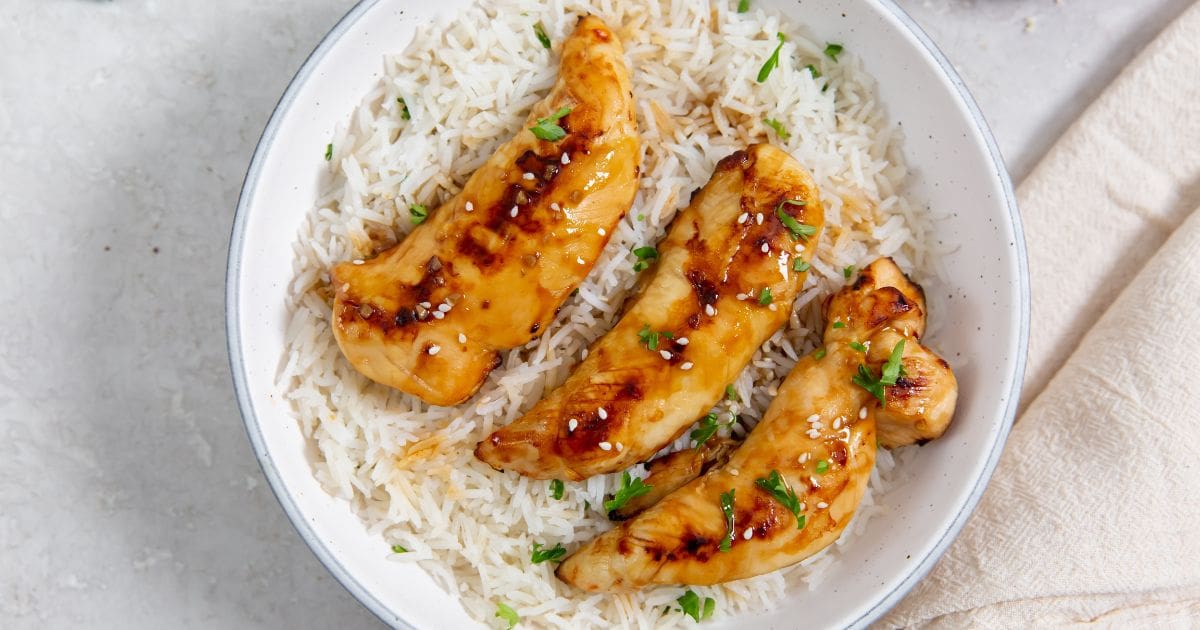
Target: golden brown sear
x=795, y=482
x=725, y=280
x=489, y=268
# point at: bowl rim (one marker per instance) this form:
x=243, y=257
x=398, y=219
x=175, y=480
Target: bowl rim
x=329, y=559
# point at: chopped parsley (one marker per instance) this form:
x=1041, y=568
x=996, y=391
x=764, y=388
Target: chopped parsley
x=541, y=555
x=644, y=256
x=833, y=50
x=727, y=509
x=765, y=297
x=506, y=613
x=839, y=324
x=399, y=549
x=329, y=152
x=778, y=488
x=800, y=231
x=731, y=394
x=822, y=466
x=404, y=113
x=848, y=271
x=708, y=428
x=548, y=129
x=819, y=354
x=773, y=60
x=630, y=487
x=649, y=338
x=892, y=371
x=858, y=346
x=816, y=74
x=800, y=265
x=691, y=604
x=780, y=130
x=743, y=6
x=417, y=213
x=556, y=489
x=540, y=31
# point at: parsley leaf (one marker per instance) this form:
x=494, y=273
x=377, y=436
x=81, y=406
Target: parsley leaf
x=540, y=31
x=772, y=61
x=399, y=549
x=743, y=6
x=833, y=50
x=404, y=113
x=819, y=354
x=800, y=266
x=556, y=489
x=630, y=487
x=417, y=213
x=816, y=74
x=649, y=338
x=644, y=256
x=329, y=152
x=779, y=489
x=765, y=297
x=893, y=369
x=839, y=324
x=780, y=130
x=800, y=231
x=692, y=606
x=508, y=614
x=541, y=555
x=822, y=466
x=708, y=428
x=731, y=394
x=867, y=381
x=547, y=128
x=848, y=271
x=858, y=346
x=727, y=508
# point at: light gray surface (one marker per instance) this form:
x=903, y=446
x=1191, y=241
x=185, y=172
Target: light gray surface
x=128, y=494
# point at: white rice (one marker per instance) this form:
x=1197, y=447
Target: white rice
x=405, y=467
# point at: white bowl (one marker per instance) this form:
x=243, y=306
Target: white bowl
x=956, y=168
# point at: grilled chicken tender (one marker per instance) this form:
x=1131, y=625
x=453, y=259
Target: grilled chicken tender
x=674, y=470
x=489, y=269
x=819, y=435
x=725, y=281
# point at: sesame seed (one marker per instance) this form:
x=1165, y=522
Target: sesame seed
x=528, y=176
x=814, y=434
x=837, y=423
x=665, y=354
x=605, y=446
x=601, y=231
x=758, y=218
x=443, y=307
x=822, y=505
x=462, y=338
x=566, y=158
x=862, y=413
x=748, y=534
x=434, y=349
x=426, y=304
x=803, y=505
x=345, y=287
x=799, y=247
x=816, y=417
x=572, y=424
x=513, y=212
x=603, y=413
x=772, y=307
x=766, y=248
x=438, y=315
x=620, y=447
x=804, y=457
x=816, y=426
x=709, y=310
x=469, y=207
x=583, y=355
x=683, y=341
x=742, y=217
x=358, y=262
x=735, y=472
x=687, y=365
x=741, y=296
x=555, y=207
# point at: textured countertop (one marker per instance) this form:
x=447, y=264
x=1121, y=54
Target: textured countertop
x=128, y=493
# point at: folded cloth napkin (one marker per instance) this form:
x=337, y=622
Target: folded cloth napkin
x=1090, y=516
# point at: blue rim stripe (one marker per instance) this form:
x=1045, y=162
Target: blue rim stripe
x=323, y=552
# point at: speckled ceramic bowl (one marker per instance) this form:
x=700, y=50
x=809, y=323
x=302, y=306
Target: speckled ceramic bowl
x=956, y=168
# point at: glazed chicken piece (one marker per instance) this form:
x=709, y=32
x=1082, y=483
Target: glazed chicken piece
x=489, y=268
x=725, y=281
x=794, y=484
x=674, y=470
